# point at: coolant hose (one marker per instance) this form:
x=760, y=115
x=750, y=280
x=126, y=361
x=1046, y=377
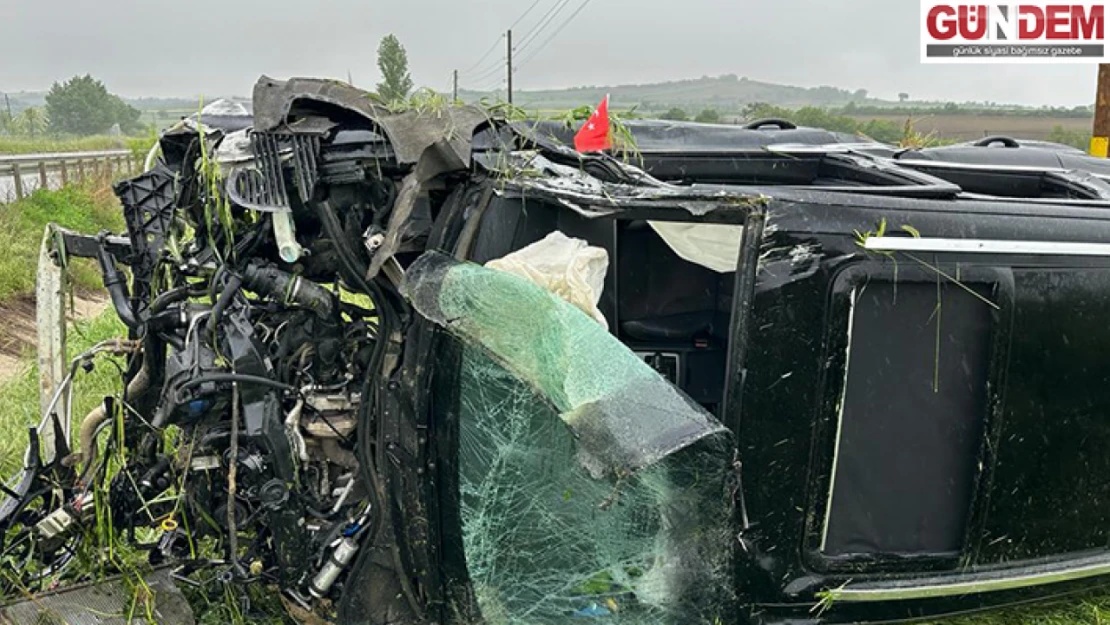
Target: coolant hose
x=228, y=294
x=97, y=416
x=116, y=284
x=289, y=289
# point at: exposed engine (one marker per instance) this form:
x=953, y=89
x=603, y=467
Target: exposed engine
x=240, y=442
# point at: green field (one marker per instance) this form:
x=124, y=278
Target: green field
x=966, y=127
x=90, y=208
x=28, y=145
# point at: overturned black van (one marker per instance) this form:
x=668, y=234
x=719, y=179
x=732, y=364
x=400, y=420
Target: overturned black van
x=817, y=379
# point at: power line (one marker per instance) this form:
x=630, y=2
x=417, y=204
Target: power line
x=539, y=27
x=484, y=56
x=539, y=21
x=524, y=15
x=490, y=71
x=496, y=63
x=553, y=35
x=497, y=42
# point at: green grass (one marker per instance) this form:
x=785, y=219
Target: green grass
x=88, y=209
x=19, y=397
x=1089, y=609
x=27, y=145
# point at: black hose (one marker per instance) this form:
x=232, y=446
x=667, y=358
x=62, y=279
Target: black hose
x=270, y=281
x=234, y=377
x=116, y=284
x=368, y=406
x=347, y=258
x=176, y=341
x=173, y=296
x=231, y=289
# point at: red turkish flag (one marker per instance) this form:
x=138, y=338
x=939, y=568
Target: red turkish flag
x=594, y=134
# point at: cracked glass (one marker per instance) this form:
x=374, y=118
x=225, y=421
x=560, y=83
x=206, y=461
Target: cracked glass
x=588, y=486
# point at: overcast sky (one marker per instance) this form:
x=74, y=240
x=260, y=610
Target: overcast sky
x=219, y=47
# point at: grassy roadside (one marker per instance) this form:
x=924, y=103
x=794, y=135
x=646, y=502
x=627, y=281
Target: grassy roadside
x=86, y=208
x=19, y=396
x=25, y=145
x=89, y=209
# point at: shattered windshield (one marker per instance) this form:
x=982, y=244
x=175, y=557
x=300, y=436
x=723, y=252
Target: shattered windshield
x=587, y=485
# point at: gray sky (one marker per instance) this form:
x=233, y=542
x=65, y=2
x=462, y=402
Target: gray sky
x=159, y=48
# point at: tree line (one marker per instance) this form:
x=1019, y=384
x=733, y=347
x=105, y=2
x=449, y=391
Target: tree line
x=80, y=106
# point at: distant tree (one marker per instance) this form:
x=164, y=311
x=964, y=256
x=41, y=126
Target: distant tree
x=1074, y=138
x=708, y=116
x=676, y=114
x=860, y=94
x=393, y=62
x=902, y=97
x=83, y=106
x=7, y=123
x=760, y=110
x=31, y=121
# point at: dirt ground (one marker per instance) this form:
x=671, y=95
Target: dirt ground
x=967, y=127
x=17, y=327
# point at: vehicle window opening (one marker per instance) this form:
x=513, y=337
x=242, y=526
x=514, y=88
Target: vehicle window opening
x=910, y=420
x=675, y=313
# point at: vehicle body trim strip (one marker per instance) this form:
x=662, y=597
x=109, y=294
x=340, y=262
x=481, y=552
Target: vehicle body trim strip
x=994, y=583
x=984, y=246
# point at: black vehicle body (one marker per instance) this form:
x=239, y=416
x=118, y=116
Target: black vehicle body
x=906, y=357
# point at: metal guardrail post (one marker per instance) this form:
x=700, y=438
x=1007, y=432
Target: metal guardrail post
x=65, y=173
x=44, y=182
x=17, y=177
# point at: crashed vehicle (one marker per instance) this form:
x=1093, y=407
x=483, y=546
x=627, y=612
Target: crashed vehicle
x=437, y=367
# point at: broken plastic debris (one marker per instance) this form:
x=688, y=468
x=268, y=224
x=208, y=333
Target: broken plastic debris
x=569, y=268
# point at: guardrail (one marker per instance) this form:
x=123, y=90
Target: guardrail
x=22, y=173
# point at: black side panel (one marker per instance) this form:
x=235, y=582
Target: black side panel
x=510, y=224
x=911, y=422
x=1052, y=481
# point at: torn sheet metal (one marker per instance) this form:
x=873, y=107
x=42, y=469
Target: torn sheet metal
x=530, y=173
x=410, y=133
x=432, y=142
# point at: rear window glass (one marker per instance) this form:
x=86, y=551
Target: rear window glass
x=911, y=420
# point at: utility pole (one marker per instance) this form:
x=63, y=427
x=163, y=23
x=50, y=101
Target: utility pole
x=1100, y=137
x=509, y=63
x=9, y=105
x=455, y=87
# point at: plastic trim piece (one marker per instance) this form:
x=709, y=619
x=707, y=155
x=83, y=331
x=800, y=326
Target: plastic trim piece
x=984, y=246
x=993, y=581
